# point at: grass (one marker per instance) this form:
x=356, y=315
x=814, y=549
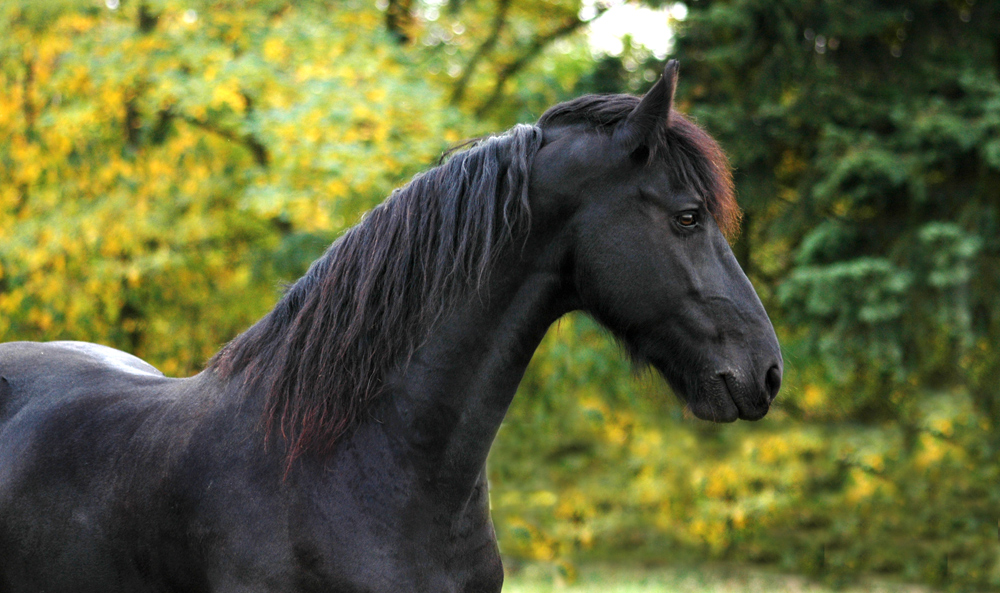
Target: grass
x=702, y=579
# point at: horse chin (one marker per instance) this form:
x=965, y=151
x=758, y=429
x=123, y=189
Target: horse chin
x=714, y=409
x=720, y=398
x=726, y=399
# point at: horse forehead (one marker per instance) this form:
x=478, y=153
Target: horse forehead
x=655, y=180
x=581, y=152
x=580, y=165
x=577, y=143
x=575, y=160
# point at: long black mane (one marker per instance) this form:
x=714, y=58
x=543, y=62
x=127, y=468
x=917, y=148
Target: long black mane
x=321, y=355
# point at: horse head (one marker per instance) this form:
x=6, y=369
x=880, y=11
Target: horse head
x=642, y=200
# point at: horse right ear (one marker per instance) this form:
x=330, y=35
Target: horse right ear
x=652, y=112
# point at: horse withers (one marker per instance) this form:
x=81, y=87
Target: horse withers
x=339, y=444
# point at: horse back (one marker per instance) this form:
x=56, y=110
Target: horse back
x=30, y=370
x=85, y=467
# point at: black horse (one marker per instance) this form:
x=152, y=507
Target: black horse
x=339, y=444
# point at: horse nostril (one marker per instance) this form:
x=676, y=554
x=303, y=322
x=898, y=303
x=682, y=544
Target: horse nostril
x=773, y=382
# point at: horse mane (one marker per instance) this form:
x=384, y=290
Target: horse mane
x=693, y=159
x=321, y=354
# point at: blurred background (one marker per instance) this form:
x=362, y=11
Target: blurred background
x=165, y=165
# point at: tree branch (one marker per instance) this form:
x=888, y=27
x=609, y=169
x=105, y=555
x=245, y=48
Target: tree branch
x=399, y=20
x=536, y=47
x=30, y=113
x=260, y=153
x=146, y=20
x=27, y=91
x=499, y=20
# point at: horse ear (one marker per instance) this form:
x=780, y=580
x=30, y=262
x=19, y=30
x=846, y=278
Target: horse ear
x=652, y=112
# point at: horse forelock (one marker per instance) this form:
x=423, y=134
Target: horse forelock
x=693, y=158
x=321, y=356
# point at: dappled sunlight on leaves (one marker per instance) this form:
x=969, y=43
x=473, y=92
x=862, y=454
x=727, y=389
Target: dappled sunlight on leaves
x=152, y=171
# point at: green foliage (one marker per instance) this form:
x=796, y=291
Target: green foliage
x=693, y=578
x=167, y=163
x=611, y=469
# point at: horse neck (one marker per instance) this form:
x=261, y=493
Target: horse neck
x=453, y=394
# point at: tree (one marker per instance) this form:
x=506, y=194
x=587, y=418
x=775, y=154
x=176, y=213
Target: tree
x=168, y=164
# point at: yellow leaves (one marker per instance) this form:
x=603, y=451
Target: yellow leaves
x=813, y=397
x=313, y=71
x=40, y=318
x=376, y=95
x=538, y=498
x=170, y=367
x=739, y=518
x=863, y=486
x=365, y=20
x=111, y=245
x=712, y=533
x=596, y=407
x=532, y=542
x=336, y=188
x=788, y=194
x=842, y=207
x=721, y=482
x=767, y=449
x=145, y=44
x=228, y=95
x=48, y=286
x=646, y=441
x=616, y=434
x=194, y=177
x=27, y=159
x=648, y=488
x=11, y=105
x=873, y=461
x=132, y=277
x=58, y=144
x=28, y=173
x=791, y=164
x=10, y=303
x=932, y=451
x=168, y=214
x=543, y=549
x=309, y=215
x=275, y=50
x=75, y=23
x=573, y=505
x=943, y=426
x=542, y=498
x=199, y=112
x=241, y=277
x=77, y=80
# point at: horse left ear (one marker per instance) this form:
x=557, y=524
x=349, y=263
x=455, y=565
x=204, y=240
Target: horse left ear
x=652, y=112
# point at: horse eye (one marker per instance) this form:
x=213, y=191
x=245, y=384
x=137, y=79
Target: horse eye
x=687, y=219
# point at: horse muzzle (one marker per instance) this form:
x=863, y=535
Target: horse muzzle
x=730, y=394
